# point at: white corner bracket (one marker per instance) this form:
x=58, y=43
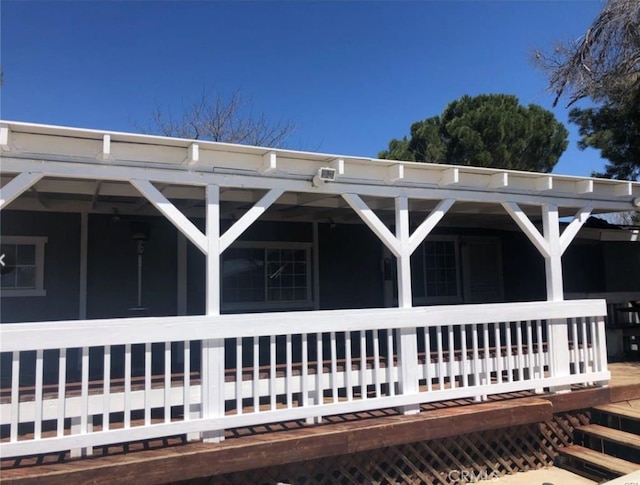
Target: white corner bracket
x=4, y=138
x=269, y=163
x=105, y=154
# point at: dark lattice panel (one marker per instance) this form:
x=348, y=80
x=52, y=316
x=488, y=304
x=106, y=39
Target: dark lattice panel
x=485, y=454
x=558, y=432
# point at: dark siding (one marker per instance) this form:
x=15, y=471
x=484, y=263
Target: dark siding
x=350, y=267
x=62, y=266
x=583, y=268
x=523, y=266
x=113, y=268
x=622, y=265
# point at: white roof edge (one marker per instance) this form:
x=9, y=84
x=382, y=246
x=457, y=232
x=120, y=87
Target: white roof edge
x=46, y=129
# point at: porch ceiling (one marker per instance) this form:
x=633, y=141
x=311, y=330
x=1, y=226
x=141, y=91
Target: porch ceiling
x=109, y=197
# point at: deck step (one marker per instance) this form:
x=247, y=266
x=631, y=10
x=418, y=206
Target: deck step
x=612, y=435
x=592, y=458
x=626, y=412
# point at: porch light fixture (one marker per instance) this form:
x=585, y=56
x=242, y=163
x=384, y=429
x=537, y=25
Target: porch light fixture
x=636, y=202
x=325, y=174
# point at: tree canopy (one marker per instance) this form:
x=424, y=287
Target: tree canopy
x=604, y=65
x=489, y=130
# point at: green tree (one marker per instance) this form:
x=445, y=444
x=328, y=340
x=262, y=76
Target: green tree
x=490, y=130
x=604, y=65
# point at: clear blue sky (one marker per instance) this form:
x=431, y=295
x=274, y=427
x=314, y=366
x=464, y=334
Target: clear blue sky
x=351, y=75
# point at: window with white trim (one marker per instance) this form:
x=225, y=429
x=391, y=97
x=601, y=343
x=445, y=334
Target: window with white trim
x=23, y=270
x=266, y=275
x=437, y=271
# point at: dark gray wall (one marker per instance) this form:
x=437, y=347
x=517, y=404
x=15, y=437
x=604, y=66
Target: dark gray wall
x=350, y=267
x=62, y=266
x=622, y=266
x=113, y=267
x=583, y=267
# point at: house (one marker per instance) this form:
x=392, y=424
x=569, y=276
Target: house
x=294, y=284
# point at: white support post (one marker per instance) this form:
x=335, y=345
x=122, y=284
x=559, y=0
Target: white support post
x=557, y=329
x=171, y=212
x=213, y=350
x=17, y=186
x=249, y=218
x=406, y=337
x=181, y=307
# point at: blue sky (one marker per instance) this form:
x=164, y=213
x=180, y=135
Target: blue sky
x=351, y=75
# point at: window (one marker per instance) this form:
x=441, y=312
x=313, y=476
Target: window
x=23, y=270
x=437, y=275
x=266, y=275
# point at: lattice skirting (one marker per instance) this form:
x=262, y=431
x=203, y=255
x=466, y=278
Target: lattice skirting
x=453, y=460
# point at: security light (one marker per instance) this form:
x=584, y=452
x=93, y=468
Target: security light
x=325, y=174
x=636, y=202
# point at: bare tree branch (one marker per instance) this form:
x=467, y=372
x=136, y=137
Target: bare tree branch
x=605, y=63
x=215, y=118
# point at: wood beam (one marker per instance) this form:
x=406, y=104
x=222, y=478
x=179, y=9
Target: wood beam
x=574, y=226
x=17, y=186
x=499, y=180
x=525, y=224
x=170, y=211
x=248, y=218
x=423, y=230
x=183, y=177
x=374, y=223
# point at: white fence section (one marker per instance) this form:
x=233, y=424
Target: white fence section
x=78, y=384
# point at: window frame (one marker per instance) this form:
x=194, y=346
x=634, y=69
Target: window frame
x=425, y=299
x=39, y=243
x=271, y=304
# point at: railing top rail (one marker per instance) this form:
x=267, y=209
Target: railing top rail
x=90, y=333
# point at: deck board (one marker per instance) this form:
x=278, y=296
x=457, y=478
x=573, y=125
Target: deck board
x=172, y=459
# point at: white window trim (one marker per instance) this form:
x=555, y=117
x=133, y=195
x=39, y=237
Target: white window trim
x=441, y=300
x=273, y=305
x=38, y=242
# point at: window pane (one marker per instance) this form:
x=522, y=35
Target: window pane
x=26, y=254
x=26, y=277
x=9, y=251
x=8, y=279
x=440, y=269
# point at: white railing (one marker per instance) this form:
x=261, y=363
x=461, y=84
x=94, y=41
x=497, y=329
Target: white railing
x=75, y=385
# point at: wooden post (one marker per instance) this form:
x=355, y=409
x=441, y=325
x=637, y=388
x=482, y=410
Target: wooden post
x=213, y=350
x=557, y=329
x=406, y=337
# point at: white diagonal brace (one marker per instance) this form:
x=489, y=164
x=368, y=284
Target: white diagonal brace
x=423, y=230
x=171, y=212
x=574, y=226
x=17, y=186
x=374, y=223
x=248, y=218
x=527, y=227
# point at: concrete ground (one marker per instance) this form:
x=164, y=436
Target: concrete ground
x=544, y=476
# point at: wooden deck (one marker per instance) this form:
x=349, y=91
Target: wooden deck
x=174, y=459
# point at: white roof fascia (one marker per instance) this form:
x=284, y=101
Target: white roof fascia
x=85, y=148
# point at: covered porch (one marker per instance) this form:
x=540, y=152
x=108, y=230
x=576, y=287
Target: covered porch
x=78, y=384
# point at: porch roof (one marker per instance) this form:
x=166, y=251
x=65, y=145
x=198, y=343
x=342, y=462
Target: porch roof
x=65, y=155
